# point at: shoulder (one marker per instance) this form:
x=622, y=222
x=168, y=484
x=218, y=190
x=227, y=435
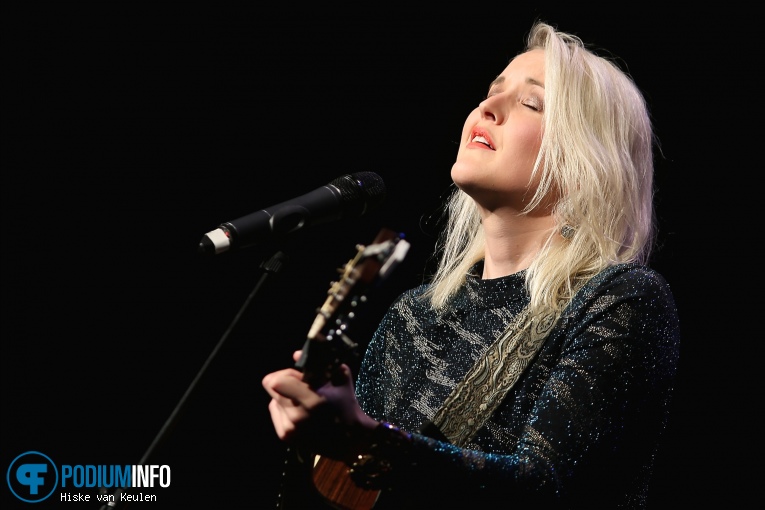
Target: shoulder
x=411, y=297
x=625, y=305
x=631, y=279
x=639, y=287
x=410, y=303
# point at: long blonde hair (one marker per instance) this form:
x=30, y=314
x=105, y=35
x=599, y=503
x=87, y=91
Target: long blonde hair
x=597, y=152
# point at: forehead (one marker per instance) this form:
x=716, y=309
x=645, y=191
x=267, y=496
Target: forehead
x=525, y=67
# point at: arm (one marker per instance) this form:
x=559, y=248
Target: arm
x=590, y=407
x=587, y=415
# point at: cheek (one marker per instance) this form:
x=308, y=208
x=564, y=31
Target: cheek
x=529, y=138
x=523, y=143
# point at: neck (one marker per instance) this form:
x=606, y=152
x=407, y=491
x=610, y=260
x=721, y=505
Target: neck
x=511, y=245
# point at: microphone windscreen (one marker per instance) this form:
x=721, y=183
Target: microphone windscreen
x=360, y=192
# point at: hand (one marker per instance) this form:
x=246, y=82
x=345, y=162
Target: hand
x=328, y=421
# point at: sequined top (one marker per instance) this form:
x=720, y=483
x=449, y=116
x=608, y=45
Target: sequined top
x=580, y=427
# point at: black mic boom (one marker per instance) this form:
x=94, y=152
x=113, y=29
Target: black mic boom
x=347, y=196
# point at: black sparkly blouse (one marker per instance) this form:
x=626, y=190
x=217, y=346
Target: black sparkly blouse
x=579, y=429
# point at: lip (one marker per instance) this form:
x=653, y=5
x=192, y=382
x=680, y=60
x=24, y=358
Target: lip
x=479, y=131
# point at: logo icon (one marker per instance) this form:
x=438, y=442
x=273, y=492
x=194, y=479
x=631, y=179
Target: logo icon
x=32, y=477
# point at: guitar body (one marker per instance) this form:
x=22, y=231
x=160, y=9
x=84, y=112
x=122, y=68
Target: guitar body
x=312, y=481
x=321, y=483
x=331, y=480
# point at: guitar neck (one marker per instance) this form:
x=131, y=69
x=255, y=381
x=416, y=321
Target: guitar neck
x=328, y=346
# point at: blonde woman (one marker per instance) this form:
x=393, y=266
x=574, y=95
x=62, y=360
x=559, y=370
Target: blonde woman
x=536, y=366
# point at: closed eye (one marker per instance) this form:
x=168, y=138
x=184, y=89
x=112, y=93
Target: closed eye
x=534, y=104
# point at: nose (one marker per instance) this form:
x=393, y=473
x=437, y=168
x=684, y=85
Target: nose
x=491, y=109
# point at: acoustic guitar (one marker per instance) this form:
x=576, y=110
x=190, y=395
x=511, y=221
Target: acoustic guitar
x=313, y=481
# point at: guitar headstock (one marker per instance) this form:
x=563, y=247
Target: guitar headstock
x=328, y=343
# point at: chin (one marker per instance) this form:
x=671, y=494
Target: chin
x=464, y=174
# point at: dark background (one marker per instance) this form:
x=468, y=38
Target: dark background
x=128, y=133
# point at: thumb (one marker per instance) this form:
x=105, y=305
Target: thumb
x=342, y=376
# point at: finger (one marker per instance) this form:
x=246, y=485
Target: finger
x=277, y=419
x=287, y=384
x=283, y=425
x=269, y=380
x=345, y=375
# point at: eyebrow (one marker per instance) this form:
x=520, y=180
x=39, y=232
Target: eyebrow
x=497, y=81
x=500, y=79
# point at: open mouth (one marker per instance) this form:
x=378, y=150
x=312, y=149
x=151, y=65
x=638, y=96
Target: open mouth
x=482, y=137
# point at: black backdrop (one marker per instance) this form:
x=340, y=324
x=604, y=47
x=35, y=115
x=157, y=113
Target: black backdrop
x=128, y=133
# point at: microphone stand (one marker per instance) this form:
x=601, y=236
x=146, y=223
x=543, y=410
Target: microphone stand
x=270, y=268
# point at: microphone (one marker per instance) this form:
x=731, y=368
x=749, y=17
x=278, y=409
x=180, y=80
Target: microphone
x=348, y=196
